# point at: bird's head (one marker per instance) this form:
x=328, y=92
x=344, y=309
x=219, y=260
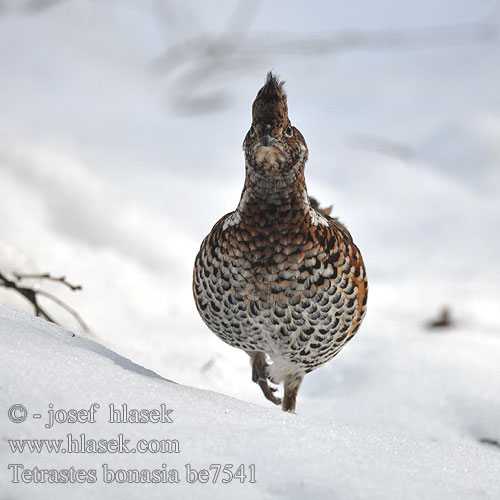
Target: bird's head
x=275, y=151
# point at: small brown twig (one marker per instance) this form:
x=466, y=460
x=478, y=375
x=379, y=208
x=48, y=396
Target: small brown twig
x=31, y=295
x=65, y=306
x=444, y=319
x=47, y=276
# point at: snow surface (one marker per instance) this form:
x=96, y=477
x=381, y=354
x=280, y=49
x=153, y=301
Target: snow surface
x=294, y=456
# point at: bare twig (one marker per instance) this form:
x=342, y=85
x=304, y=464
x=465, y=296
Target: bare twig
x=28, y=293
x=31, y=295
x=208, y=365
x=65, y=306
x=60, y=279
x=443, y=320
x=490, y=441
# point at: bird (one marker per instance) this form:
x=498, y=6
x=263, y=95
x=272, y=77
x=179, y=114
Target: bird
x=278, y=277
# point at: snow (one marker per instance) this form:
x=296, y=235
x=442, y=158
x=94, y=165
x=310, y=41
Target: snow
x=294, y=456
x=104, y=180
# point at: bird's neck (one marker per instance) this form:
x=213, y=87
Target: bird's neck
x=278, y=198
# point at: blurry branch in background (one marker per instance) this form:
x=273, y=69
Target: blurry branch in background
x=197, y=56
x=31, y=295
x=383, y=146
x=39, y=5
x=493, y=442
x=200, y=64
x=443, y=320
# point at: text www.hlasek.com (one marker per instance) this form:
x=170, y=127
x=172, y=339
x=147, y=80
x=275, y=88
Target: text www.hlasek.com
x=82, y=444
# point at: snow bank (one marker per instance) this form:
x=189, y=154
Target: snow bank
x=294, y=456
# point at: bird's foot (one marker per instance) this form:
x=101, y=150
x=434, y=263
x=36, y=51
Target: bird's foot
x=260, y=375
x=292, y=385
x=268, y=391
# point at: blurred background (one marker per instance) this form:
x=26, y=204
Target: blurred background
x=121, y=124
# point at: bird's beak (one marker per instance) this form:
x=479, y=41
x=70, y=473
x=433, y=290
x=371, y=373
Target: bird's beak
x=265, y=140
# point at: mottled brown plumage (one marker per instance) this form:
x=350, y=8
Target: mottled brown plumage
x=276, y=277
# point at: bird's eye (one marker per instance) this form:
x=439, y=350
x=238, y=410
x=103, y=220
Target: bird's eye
x=289, y=131
x=251, y=132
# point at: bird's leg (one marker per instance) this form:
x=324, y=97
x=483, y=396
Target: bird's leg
x=260, y=376
x=292, y=385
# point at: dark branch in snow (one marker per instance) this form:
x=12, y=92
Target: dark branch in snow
x=492, y=442
x=443, y=321
x=32, y=295
x=60, y=279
